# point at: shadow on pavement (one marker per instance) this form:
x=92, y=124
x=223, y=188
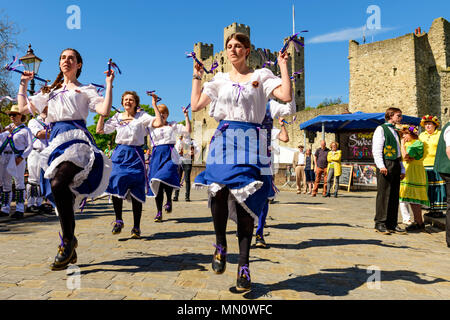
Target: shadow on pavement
x=192, y=220
x=299, y=225
x=144, y=262
x=312, y=243
x=337, y=282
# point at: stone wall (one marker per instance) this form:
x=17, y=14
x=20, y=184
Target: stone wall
x=410, y=72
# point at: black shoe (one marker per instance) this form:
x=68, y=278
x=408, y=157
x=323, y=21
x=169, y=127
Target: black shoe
x=219, y=262
x=46, y=209
x=3, y=214
x=243, y=282
x=416, y=227
x=118, y=226
x=187, y=200
x=381, y=229
x=175, y=199
x=66, y=254
x=260, y=243
x=17, y=215
x=158, y=217
x=28, y=209
x=397, y=230
x=335, y=195
x=135, y=233
x=168, y=207
x=326, y=195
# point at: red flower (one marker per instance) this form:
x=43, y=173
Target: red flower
x=430, y=117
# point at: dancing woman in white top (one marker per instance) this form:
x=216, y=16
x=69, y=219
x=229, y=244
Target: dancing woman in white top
x=238, y=100
x=73, y=168
x=128, y=176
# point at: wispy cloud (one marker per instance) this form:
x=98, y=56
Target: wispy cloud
x=347, y=34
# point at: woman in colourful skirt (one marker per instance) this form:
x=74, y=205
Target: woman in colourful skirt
x=413, y=188
x=237, y=158
x=163, y=174
x=436, y=185
x=72, y=167
x=128, y=176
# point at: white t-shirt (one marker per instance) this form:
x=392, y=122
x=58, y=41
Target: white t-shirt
x=131, y=133
x=167, y=134
x=241, y=101
x=65, y=105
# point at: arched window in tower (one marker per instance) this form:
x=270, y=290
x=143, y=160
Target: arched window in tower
x=204, y=121
x=299, y=93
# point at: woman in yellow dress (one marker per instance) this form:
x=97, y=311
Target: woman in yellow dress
x=413, y=188
x=334, y=168
x=436, y=185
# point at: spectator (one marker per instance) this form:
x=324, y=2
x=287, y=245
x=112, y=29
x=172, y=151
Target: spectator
x=413, y=188
x=309, y=171
x=436, y=185
x=334, y=168
x=321, y=164
x=299, y=164
x=442, y=165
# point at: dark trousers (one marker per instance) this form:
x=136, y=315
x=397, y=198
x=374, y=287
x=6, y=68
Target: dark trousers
x=388, y=189
x=446, y=177
x=186, y=168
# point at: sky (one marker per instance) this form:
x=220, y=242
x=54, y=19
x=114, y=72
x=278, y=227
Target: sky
x=148, y=40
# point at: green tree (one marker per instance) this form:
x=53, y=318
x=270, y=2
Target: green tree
x=329, y=102
x=8, y=42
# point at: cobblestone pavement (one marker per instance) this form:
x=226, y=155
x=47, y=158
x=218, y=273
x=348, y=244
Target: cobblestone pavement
x=320, y=248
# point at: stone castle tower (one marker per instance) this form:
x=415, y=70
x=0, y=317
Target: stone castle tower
x=411, y=72
x=205, y=52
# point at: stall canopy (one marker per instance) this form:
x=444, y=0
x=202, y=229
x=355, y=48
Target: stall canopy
x=351, y=121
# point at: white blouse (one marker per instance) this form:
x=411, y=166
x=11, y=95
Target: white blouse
x=65, y=105
x=167, y=134
x=241, y=101
x=131, y=133
x=23, y=141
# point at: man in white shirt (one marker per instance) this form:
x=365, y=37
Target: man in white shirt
x=390, y=170
x=187, y=149
x=298, y=164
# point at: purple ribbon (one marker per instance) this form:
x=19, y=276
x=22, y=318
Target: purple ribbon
x=239, y=88
x=266, y=59
x=293, y=39
x=151, y=92
x=293, y=120
x=220, y=250
x=9, y=67
x=62, y=241
x=193, y=56
x=83, y=203
x=113, y=65
x=61, y=92
x=186, y=108
x=295, y=73
x=244, y=270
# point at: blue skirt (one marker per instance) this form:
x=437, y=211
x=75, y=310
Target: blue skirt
x=163, y=168
x=128, y=176
x=238, y=160
x=71, y=141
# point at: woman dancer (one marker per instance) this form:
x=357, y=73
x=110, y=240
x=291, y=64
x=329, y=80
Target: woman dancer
x=73, y=168
x=163, y=174
x=413, y=188
x=237, y=190
x=128, y=176
x=436, y=185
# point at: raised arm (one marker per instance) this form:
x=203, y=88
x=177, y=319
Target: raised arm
x=283, y=92
x=105, y=108
x=22, y=95
x=188, y=122
x=199, y=100
x=158, y=122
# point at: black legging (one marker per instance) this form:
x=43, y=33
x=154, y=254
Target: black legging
x=64, y=198
x=137, y=210
x=163, y=188
x=245, y=224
